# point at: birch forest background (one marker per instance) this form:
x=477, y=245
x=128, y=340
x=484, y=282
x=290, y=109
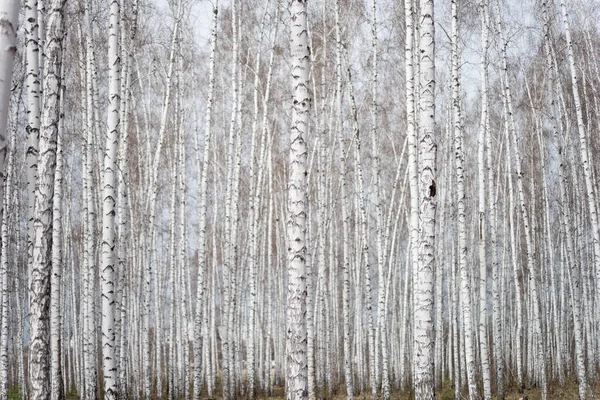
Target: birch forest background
x=346, y=198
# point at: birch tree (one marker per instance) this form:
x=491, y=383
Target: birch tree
x=109, y=196
x=589, y=184
x=56, y=373
x=348, y=373
x=33, y=111
x=39, y=356
x=202, y=256
x=465, y=280
x=483, y=310
x=423, y=275
x=297, y=369
x=8, y=44
x=9, y=16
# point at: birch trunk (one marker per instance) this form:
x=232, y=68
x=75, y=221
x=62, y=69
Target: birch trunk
x=589, y=184
x=348, y=373
x=423, y=290
x=39, y=355
x=200, y=321
x=363, y=256
x=109, y=207
x=296, y=349
x=56, y=373
x=483, y=326
x=465, y=281
x=33, y=78
x=510, y=120
x=497, y=267
x=89, y=264
x=412, y=167
x=9, y=16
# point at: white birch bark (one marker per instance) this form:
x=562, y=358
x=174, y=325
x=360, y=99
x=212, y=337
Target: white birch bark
x=253, y=212
x=33, y=79
x=39, y=355
x=585, y=166
x=496, y=265
x=9, y=11
x=125, y=259
x=412, y=126
x=510, y=120
x=558, y=364
x=381, y=316
x=109, y=208
x=513, y=250
x=151, y=261
x=465, y=281
x=424, y=274
x=7, y=185
x=483, y=310
x=348, y=373
x=296, y=350
x=589, y=184
x=362, y=236
x=56, y=373
x=228, y=267
x=89, y=264
x=200, y=321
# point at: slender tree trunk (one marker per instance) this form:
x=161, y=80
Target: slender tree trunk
x=109, y=207
x=589, y=184
x=297, y=374
x=498, y=350
x=9, y=16
x=348, y=373
x=56, y=373
x=483, y=310
x=424, y=274
x=202, y=256
x=33, y=78
x=465, y=280
x=39, y=355
x=510, y=121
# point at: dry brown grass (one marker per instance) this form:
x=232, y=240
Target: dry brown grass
x=568, y=392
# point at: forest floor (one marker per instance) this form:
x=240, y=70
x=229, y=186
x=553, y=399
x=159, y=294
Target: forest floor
x=568, y=392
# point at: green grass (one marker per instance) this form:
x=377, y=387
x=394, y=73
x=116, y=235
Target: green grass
x=14, y=393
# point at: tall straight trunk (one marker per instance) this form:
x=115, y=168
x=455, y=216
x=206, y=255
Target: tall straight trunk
x=125, y=260
x=202, y=256
x=255, y=179
x=589, y=184
x=483, y=310
x=33, y=78
x=56, y=372
x=39, y=355
x=9, y=13
x=423, y=289
x=558, y=364
x=381, y=316
x=465, y=280
x=510, y=121
x=514, y=257
x=296, y=349
x=496, y=266
x=109, y=186
x=411, y=125
x=229, y=243
x=151, y=260
x=348, y=373
x=363, y=256
x=89, y=263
